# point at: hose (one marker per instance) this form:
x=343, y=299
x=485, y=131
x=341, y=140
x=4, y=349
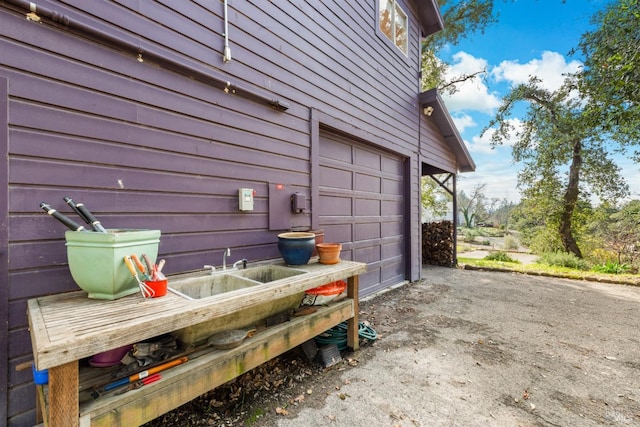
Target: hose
x=338, y=335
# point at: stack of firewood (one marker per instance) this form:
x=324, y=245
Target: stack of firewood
x=437, y=243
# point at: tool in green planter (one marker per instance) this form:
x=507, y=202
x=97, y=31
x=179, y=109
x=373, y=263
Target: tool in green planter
x=84, y=213
x=155, y=270
x=71, y=224
x=145, y=290
x=141, y=267
x=149, y=264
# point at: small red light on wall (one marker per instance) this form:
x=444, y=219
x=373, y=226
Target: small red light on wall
x=279, y=186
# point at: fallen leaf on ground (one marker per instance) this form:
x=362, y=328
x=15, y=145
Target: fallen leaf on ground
x=281, y=411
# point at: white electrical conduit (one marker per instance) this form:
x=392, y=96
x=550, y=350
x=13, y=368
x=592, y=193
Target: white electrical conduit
x=226, y=56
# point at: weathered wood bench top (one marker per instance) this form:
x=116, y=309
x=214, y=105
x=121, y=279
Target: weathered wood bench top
x=68, y=327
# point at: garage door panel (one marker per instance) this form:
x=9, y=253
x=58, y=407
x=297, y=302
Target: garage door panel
x=368, y=183
x=366, y=207
x=392, y=187
x=391, y=229
x=335, y=178
x=334, y=206
x=372, y=276
x=391, y=250
x=392, y=272
x=367, y=231
x=369, y=254
x=365, y=211
x=391, y=207
x=338, y=233
x=392, y=165
x=332, y=149
x=367, y=159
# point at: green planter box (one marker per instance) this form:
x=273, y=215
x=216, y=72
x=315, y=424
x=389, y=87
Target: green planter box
x=96, y=260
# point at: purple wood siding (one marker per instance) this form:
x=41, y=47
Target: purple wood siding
x=434, y=150
x=4, y=256
x=145, y=145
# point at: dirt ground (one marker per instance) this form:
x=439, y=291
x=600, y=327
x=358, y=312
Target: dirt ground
x=465, y=348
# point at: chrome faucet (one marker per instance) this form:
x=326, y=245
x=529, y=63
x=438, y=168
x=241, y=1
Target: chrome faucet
x=225, y=254
x=211, y=267
x=242, y=261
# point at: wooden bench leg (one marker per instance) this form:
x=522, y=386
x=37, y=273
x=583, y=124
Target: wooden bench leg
x=352, y=324
x=64, y=408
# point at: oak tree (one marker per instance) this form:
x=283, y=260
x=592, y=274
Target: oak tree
x=565, y=155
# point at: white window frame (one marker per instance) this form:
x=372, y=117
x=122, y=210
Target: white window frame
x=395, y=6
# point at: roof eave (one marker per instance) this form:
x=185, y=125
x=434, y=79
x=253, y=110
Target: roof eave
x=441, y=117
x=430, y=17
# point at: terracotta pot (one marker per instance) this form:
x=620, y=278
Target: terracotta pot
x=329, y=253
x=319, y=239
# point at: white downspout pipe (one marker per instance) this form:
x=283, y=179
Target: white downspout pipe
x=226, y=56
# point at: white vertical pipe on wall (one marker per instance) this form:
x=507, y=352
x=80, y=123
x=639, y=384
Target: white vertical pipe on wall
x=226, y=56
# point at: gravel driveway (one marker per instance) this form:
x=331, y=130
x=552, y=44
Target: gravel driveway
x=470, y=348
x=459, y=348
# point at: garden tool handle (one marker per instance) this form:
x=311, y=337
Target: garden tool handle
x=129, y=263
x=148, y=263
x=89, y=216
x=71, y=224
x=73, y=206
x=139, y=264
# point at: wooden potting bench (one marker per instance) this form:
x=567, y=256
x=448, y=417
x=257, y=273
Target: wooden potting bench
x=68, y=327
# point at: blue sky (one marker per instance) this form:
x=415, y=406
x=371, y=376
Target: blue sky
x=530, y=37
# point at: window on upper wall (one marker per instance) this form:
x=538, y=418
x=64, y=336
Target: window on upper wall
x=394, y=24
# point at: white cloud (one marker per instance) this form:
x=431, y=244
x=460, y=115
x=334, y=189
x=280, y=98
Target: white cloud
x=551, y=68
x=472, y=94
x=500, y=177
x=463, y=121
x=482, y=143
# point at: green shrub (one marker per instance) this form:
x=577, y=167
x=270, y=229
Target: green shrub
x=511, y=243
x=500, y=256
x=470, y=235
x=542, y=240
x=612, y=268
x=563, y=259
x=601, y=256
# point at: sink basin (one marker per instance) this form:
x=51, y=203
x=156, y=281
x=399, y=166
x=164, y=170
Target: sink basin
x=208, y=286
x=268, y=273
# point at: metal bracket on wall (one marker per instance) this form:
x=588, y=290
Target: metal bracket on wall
x=206, y=75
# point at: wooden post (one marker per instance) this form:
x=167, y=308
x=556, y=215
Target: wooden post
x=64, y=408
x=352, y=324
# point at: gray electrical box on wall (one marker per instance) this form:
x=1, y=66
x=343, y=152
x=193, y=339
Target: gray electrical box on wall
x=298, y=203
x=245, y=199
x=279, y=207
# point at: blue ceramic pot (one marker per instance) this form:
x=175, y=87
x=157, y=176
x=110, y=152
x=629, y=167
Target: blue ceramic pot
x=296, y=247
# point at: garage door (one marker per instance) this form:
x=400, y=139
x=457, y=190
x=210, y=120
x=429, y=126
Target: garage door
x=361, y=192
